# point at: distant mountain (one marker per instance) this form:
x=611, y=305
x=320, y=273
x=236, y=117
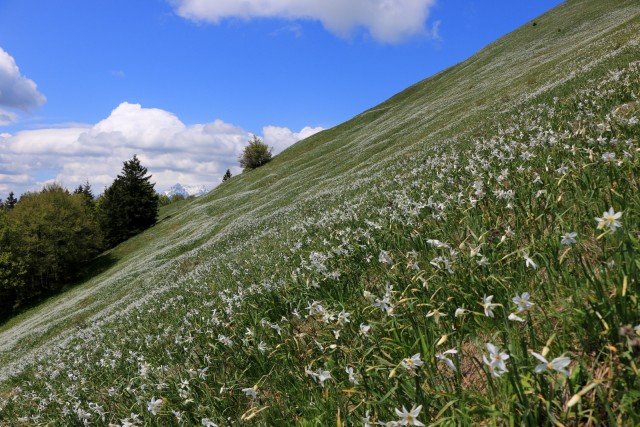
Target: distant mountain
x=186, y=190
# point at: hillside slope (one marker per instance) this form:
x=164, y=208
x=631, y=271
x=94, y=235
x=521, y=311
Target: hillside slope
x=415, y=211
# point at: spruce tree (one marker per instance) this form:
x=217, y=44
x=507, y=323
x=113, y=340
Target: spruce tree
x=227, y=175
x=11, y=201
x=85, y=191
x=130, y=205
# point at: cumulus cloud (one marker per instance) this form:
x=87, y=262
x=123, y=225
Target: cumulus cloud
x=16, y=91
x=172, y=151
x=281, y=137
x=7, y=117
x=388, y=21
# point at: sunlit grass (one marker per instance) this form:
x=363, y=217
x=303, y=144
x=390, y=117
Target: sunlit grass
x=403, y=267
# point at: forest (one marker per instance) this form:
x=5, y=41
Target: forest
x=48, y=238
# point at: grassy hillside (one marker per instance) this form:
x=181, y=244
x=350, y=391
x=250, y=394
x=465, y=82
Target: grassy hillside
x=420, y=255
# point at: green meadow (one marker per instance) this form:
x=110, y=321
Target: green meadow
x=465, y=253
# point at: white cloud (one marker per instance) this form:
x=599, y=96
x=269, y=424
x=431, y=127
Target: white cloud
x=7, y=117
x=280, y=137
x=435, y=31
x=17, y=91
x=172, y=151
x=389, y=21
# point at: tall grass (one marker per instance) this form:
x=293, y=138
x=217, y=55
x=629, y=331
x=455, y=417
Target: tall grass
x=489, y=278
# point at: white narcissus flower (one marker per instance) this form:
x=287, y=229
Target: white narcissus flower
x=528, y=261
x=343, y=317
x=515, y=317
x=366, y=420
x=353, y=377
x=496, y=360
x=608, y=157
x=443, y=356
x=460, y=312
x=558, y=364
x=412, y=362
x=436, y=314
x=323, y=376
x=364, y=329
x=251, y=392
x=488, y=305
x=409, y=418
x=153, y=405
x=569, y=238
x=482, y=261
x=610, y=219
x=523, y=302
x=384, y=257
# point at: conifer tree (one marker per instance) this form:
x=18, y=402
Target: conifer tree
x=11, y=201
x=86, y=192
x=130, y=205
x=227, y=175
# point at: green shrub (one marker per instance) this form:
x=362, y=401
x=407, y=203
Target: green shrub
x=256, y=154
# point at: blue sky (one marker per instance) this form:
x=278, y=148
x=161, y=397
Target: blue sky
x=86, y=84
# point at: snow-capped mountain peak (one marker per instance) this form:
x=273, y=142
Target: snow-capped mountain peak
x=186, y=190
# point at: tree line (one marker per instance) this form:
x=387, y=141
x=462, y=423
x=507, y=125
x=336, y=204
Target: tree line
x=47, y=238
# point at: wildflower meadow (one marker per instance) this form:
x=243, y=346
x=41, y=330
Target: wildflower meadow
x=488, y=276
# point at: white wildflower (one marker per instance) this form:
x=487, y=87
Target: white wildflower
x=413, y=362
x=409, y=418
x=496, y=360
x=251, y=392
x=460, y=312
x=515, y=317
x=443, y=356
x=558, y=364
x=488, y=305
x=436, y=314
x=353, y=376
x=522, y=302
x=384, y=257
x=528, y=261
x=154, y=405
x=569, y=238
x=610, y=219
x=364, y=329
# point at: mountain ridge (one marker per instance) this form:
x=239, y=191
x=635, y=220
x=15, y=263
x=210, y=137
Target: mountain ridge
x=185, y=190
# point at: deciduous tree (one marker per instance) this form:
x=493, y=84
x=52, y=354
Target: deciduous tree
x=256, y=154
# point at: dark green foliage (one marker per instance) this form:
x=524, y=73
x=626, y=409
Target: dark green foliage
x=44, y=241
x=12, y=268
x=227, y=176
x=85, y=191
x=11, y=201
x=129, y=205
x=163, y=200
x=177, y=198
x=256, y=154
